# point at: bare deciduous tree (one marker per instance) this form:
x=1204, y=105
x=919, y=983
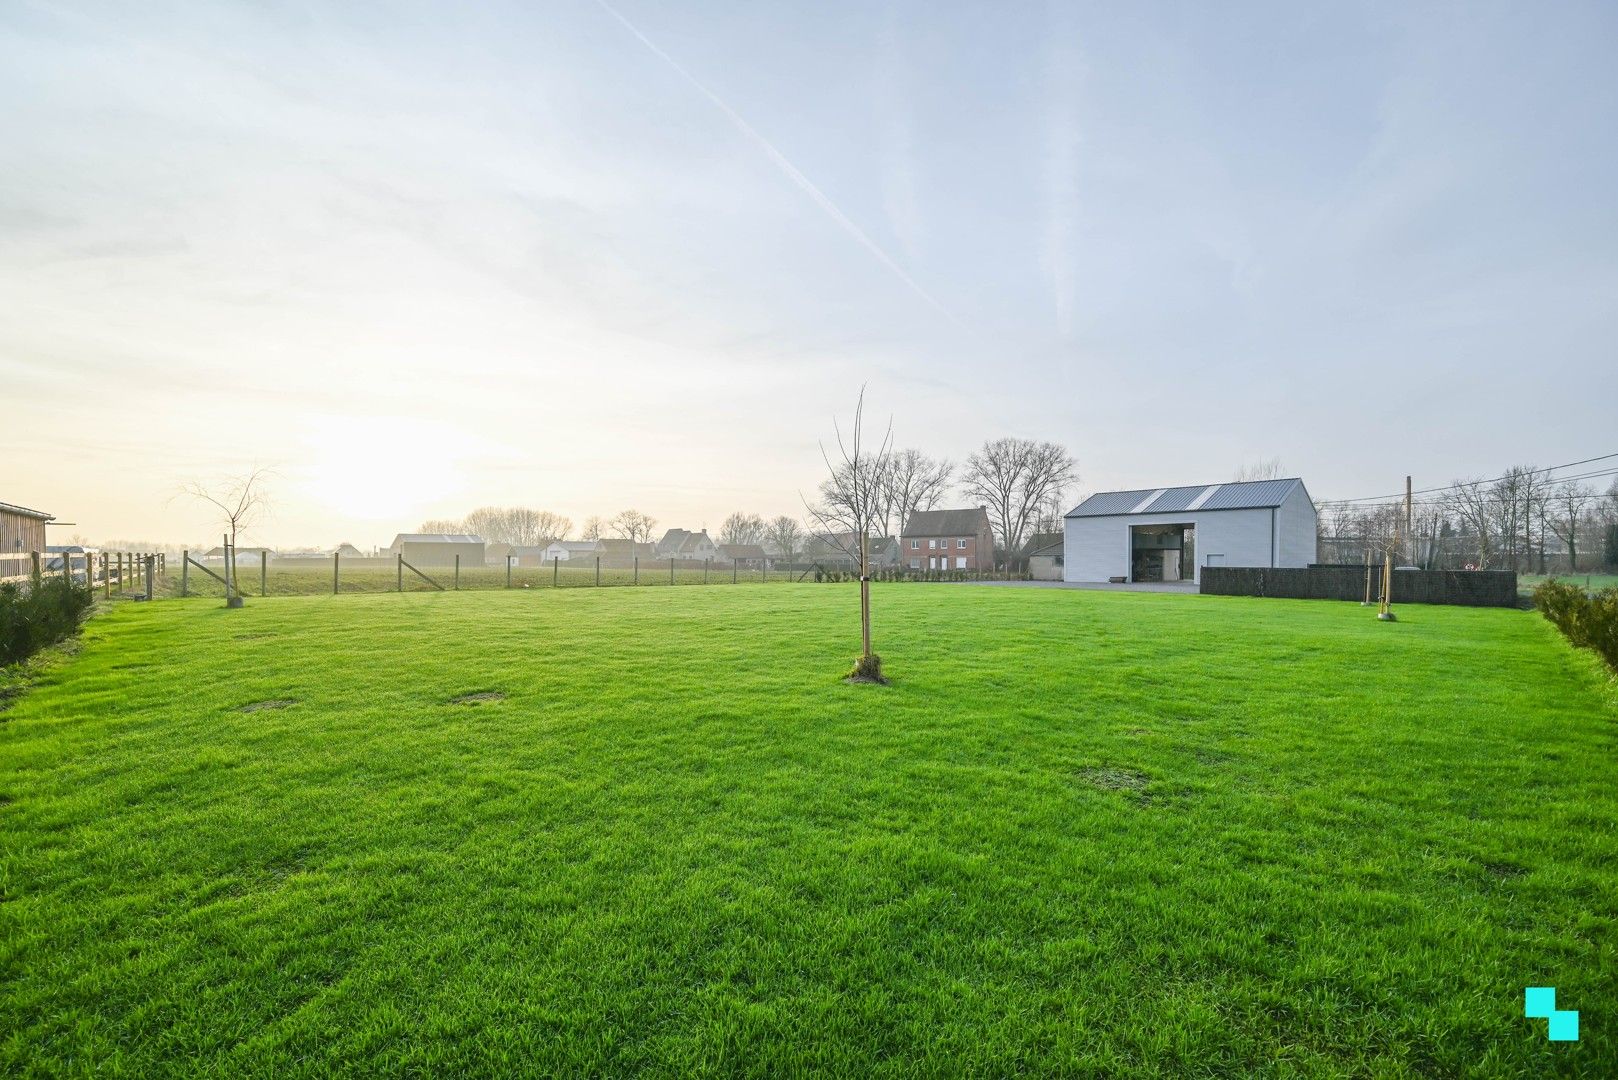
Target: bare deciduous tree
x=593, y=527
x=740, y=528
x=517, y=525
x=787, y=537
x=1471, y=503
x=1014, y=478
x=1566, y=504
x=913, y=481
x=850, y=507
x=634, y=526
x=1262, y=469
x=447, y=526
x=241, y=501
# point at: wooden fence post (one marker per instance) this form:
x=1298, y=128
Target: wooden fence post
x=598, y=571
x=106, y=578
x=151, y=560
x=556, y=570
x=508, y=570
x=264, y=573
x=636, y=579
x=705, y=563
x=185, y=571
x=400, y=587
x=457, y=571
x=671, y=570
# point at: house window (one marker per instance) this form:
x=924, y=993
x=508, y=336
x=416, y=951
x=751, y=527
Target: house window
x=960, y=563
x=960, y=545
x=932, y=544
x=915, y=545
x=915, y=564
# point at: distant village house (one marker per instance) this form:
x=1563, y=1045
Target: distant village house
x=948, y=540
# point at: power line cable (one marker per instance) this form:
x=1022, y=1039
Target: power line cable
x=1452, y=487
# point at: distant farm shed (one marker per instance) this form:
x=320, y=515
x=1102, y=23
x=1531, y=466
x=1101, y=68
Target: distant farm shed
x=438, y=549
x=1171, y=533
x=1044, y=554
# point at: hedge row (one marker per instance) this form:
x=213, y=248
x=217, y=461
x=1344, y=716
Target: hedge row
x=1590, y=620
x=32, y=618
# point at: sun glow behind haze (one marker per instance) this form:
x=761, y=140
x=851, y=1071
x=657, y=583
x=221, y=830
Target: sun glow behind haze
x=384, y=470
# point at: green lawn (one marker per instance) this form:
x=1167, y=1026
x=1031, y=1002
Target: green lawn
x=1082, y=833
x=1526, y=582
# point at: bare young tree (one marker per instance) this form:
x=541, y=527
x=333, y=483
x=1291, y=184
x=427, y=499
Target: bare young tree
x=593, y=527
x=241, y=501
x=740, y=528
x=913, y=481
x=1262, y=469
x=850, y=507
x=787, y=537
x=1014, y=478
x=442, y=525
x=1567, y=503
x=635, y=527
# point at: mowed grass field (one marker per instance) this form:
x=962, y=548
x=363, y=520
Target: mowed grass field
x=1526, y=582
x=1082, y=833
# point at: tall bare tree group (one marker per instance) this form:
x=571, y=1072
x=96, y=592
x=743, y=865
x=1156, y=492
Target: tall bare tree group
x=1526, y=519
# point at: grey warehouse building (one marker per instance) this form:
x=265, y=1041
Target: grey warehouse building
x=1169, y=534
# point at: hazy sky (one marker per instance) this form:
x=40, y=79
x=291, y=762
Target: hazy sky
x=425, y=257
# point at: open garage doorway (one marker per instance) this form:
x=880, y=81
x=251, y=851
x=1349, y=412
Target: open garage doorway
x=1162, y=552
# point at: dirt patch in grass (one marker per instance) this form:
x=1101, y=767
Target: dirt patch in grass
x=272, y=703
x=1115, y=779
x=482, y=697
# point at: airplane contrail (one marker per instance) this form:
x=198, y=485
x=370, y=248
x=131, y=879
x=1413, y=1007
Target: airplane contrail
x=806, y=185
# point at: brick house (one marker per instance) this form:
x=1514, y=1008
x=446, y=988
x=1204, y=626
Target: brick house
x=948, y=540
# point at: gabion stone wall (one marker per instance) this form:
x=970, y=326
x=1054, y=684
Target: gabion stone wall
x=1473, y=588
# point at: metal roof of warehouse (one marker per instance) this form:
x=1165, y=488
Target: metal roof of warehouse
x=1237, y=495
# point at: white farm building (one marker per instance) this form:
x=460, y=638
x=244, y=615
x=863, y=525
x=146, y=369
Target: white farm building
x=1170, y=534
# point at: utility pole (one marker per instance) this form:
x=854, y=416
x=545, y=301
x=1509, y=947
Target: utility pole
x=1410, y=533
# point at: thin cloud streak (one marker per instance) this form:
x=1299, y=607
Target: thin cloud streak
x=792, y=171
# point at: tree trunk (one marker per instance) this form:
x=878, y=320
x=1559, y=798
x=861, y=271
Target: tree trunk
x=865, y=602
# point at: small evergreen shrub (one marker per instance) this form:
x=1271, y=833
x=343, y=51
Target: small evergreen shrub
x=31, y=619
x=1589, y=620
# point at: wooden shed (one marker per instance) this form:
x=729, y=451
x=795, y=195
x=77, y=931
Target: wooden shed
x=22, y=532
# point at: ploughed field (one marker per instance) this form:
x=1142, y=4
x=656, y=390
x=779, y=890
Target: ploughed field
x=611, y=831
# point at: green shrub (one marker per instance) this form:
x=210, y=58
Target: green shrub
x=1589, y=620
x=31, y=618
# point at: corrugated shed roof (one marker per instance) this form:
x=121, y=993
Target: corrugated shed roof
x=1246, y=495
x=23, y=511
x=1105, y=503
x=962, y=522
x=1255, y=494
x=1043, y=542
x=436, y=538
x=1175, y=498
